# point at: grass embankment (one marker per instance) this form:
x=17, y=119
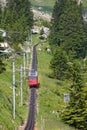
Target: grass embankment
x=6, y=119
x=50, y=95
x=46, y=5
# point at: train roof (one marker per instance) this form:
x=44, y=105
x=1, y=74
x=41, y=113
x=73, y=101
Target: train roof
x=33, y=73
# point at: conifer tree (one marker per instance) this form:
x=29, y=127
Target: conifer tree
x=75, y=113
x=67, y=28
x=59, y=64
x=19, y=18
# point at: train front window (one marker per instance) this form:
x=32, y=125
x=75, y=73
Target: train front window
x=32, y=77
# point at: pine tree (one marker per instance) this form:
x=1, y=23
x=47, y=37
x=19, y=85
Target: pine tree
x=53, y=38
x=59, y=64
x=19, y=18
x=67, y=28
x=75, y=113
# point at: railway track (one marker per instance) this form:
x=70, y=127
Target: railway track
x=32, y=106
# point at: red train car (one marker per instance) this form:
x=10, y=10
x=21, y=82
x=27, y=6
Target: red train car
x=33, y=79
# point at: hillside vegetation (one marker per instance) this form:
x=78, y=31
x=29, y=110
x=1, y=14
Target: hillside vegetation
x=50, y=94
x=15, y=21
x=50, y=100
x=47, y=5
x=68, y=42
x=6, y=97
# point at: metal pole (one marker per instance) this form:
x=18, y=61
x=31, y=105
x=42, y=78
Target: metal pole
x=21, y=94
x=27, y=58
x=13, y=87
x=27, y=48
x=24, y=67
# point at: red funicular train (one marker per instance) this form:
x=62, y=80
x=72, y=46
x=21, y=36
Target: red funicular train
x=33, y=78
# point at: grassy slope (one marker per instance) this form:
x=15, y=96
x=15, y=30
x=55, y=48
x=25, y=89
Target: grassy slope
x=6, y=120
x=47, y=5
x=50, y=95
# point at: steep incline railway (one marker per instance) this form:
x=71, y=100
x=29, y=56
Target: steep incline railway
x=32, y=106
